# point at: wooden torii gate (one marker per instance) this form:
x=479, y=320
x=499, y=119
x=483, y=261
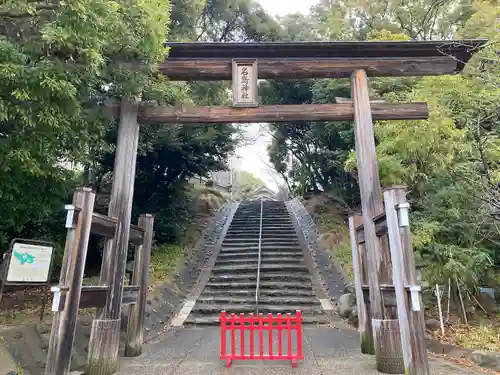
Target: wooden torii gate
x=244, y=63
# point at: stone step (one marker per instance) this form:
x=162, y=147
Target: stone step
x=287, y=290
x=256, y=225
x=206, y=320
x=285, y=283
x=226, y=299
x=266, y=246
x=211, y=309
x=278, y=239
x=252, y=248
x=272, y=276
x=251, y=268
x=254, y=252
x=265, y=230
x=255, y=229
x=284, y=259
x=266, y=242
x=269, y=252
x=263, y=300
x=264, y=285
x=264, y=217
x=240, y=234
x=232, y=244
x=247, y=239
x=250, y=291
x=278, y=231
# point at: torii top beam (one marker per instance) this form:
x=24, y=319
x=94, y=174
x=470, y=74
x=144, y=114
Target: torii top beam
x=212, y=61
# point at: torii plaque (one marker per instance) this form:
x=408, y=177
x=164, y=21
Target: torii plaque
x=245, y=89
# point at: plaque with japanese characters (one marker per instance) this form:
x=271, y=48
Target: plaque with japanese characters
x=245, y=93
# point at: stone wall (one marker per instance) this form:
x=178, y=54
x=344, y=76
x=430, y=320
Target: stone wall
x=167, y=299
x=332, y=275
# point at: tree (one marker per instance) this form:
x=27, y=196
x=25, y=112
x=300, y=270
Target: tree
x=54, y=62
x=244, y=184
x=419, y=19
x=236, y=21
x=449, y=162
x=171, y=154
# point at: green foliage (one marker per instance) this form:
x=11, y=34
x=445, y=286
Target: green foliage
x=244, y=183
x=58, y=62
x=449, y=163
x=54, y=63
x=170, y=155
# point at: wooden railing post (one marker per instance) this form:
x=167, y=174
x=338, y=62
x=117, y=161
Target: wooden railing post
x=133, y=346
x=364, y=314
x=385, y=331
x=407, y=287
x=105, y=335
x=70, y=283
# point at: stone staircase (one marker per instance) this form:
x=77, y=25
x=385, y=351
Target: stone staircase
x=285, y=282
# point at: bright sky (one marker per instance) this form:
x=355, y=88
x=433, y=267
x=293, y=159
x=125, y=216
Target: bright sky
x=282, y=7
x=253, y=157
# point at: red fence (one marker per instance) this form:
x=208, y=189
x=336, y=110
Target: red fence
x=260, y=326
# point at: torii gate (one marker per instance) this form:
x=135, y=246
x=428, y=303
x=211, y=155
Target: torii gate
x=244, y=63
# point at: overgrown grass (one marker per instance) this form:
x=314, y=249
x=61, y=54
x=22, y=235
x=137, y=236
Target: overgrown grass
x=164, y=260
x=486, y=336
x=343, y=252
x=19, y=369
x=333, y=230
x=483, y=334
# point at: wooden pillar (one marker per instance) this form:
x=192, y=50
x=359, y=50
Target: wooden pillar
x=105, y=335
x=133, y=346
x=407, y=287
x=372, y=205
x=364, y=314
x=70, y=282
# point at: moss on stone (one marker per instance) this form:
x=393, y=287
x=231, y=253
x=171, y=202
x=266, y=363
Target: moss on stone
x=367, y=346
x=133, y=350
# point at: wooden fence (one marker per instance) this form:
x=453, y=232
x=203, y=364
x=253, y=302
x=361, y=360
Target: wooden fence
x=401, y=298
x=70, y=295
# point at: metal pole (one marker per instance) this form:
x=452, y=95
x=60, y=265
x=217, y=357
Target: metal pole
x=257, y=287
x=133, y=346
x=105, y=336
x=75, y=254
x=231, y=178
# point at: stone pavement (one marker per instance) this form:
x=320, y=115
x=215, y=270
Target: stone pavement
x=195, y=351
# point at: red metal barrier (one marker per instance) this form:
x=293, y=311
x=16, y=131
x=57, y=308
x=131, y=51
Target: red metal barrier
x=260, y=324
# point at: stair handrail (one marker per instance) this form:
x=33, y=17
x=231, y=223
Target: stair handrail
x=257, y=287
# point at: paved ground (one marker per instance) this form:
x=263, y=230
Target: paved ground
x=194, y=351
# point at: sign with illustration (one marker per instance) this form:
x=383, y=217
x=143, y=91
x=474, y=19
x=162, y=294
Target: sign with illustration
x=30, y=262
